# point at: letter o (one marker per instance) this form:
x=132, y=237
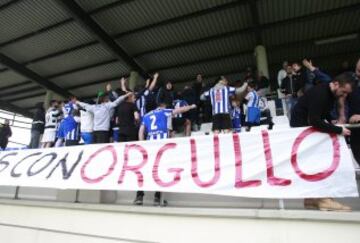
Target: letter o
x=321, y=175
x=85, y=178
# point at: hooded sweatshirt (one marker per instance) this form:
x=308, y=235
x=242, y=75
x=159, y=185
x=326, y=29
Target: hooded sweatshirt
x=102, y=113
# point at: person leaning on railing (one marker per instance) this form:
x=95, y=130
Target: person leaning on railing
x=312, y=109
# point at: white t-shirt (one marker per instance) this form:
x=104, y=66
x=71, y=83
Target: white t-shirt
x=87, y=121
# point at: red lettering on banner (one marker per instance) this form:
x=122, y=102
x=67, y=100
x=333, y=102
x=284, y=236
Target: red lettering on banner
x=85, y=178
x=239, y=183
x=155, y=170
x=194, y=164
x=134, y=168
x=321, y=175
x=271, y=178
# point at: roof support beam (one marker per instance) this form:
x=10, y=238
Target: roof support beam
x=22, y=70
x=106, y=40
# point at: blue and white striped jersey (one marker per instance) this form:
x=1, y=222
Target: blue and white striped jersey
x=178, y=104
x=220, y=99
x=141, y=102
x=68, y=108
x=253, y=99
x=156, y=123
x=71, y=128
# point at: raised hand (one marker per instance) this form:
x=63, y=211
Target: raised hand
x=108, y=87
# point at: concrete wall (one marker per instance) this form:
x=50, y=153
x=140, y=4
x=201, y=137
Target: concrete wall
x=33, y=222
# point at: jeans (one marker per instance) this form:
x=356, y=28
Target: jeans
x=35, y=139
x=87, y=137
x=115, y=134
x=290, y=103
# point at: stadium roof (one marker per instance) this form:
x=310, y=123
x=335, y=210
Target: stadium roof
x=75, y=47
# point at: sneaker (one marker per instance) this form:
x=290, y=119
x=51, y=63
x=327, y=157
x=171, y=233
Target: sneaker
x=270, y=127
x=138, y=201
x=329, y=204
x=248, y=129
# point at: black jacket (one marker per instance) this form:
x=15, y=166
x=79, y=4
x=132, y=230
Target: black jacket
x=38, y=123
x=354, y=98
x=165, y=96
x=315, y=107
x=290, y=85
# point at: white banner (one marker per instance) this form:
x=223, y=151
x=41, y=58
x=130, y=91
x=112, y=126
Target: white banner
x=294, y=163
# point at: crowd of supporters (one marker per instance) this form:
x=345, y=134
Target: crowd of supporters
x=118, y=114
x=152, y=111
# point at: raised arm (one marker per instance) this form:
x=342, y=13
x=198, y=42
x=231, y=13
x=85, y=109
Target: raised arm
x=205, y=95
x=318, y=74
x=119, y=100
x=242, y=89
x=112, y=94
x=84, y=105
x=123, y=84
x=147, y=83
x=154, y=81
x=183, y=109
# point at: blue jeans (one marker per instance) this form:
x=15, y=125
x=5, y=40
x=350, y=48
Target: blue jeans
x=87, y=137
x=115, y=134
x=290, y=103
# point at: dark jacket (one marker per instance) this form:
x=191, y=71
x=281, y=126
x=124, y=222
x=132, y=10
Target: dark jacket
x=165, y=96
x=354, y=98
x=189, y=95
x=5, y=133
x=315, y=107
x=38, y=123
x=290, y=85
x=196, y=88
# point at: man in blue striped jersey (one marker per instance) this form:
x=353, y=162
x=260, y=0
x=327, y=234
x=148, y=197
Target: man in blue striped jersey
x=181, y=119
x=69, y=130
x=220, y=101
x=155, y=127
x=72, y=128
x=141, y=93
